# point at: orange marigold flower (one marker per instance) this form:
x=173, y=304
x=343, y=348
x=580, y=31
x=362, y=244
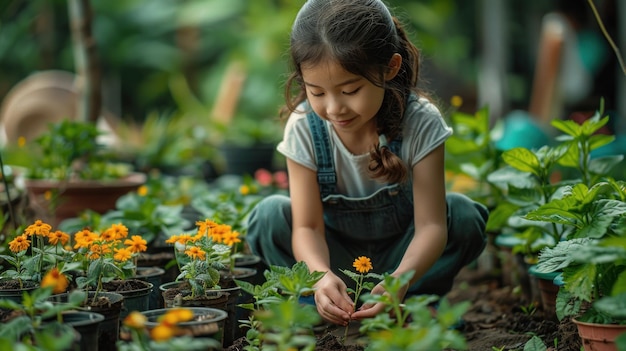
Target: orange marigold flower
x=55, y=279
x=217, y=234
x=176, y=315
x=118, y=231
x=163, y=332
x=84, y=238
x=38, y=228
x=47, y=195
x=244, y=190
x=205, y=227
x=172, y=240
x=142, y=190
x=122, y=255
x=135, y=320
x=20, y=243
x=231, y=238
x=136, y=244
x=58, y=237
x=195, y=252
x=97, y=250
x=362, y=264
x=184, y=239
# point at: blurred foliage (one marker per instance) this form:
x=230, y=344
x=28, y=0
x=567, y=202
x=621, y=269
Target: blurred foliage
x=144, y=44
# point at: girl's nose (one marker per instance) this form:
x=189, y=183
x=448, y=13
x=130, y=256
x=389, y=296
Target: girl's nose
x=334, y=106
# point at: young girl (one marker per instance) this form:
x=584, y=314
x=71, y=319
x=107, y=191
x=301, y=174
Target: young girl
x=365, y=157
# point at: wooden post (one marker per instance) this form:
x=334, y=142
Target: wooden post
x=86, y=61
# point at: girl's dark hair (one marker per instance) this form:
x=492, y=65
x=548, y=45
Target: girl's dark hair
x=362, y=36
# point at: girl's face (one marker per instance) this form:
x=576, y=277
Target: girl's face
x=348, y=101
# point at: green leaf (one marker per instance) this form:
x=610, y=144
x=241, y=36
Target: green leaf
x=523, y=160
x=614, y=306
x=535, y=344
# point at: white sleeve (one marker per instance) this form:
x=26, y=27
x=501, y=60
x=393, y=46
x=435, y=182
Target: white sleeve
x=297, y=144
x=424, y=130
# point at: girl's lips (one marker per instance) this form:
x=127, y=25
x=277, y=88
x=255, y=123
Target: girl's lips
x=343, y=123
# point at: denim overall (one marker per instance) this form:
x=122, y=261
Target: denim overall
x=379, y=226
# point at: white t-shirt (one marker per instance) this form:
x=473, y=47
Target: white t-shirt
x=424, y=129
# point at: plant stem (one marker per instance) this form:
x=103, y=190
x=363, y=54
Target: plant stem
x=607, y=36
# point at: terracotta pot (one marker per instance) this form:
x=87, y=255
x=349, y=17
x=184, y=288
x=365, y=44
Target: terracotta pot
x=76, y=196
x=599, y=337
x=548, y=290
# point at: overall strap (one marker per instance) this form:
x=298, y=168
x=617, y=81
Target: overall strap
x=396, y=144
x=326, y=176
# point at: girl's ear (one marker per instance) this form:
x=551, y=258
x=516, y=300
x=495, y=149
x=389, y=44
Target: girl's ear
x=394, y=66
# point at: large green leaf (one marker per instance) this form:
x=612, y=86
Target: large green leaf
x=523, y=160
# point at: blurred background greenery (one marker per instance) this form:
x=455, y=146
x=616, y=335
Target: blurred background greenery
x=163, y=59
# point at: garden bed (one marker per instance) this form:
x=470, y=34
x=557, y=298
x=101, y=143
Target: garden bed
x=500, y=318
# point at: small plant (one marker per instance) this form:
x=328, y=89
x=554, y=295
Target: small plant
x=69, y=150
x=203, y=255
x=37, y=249
x=280, y=321
x=38, y=320
x=362, y=265
x=536, y=188
x=106, y=256
x=413, y=326
x=529, y=309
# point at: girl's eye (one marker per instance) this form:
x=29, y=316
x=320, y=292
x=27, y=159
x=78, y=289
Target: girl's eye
x=316, y=94
x=352, y=92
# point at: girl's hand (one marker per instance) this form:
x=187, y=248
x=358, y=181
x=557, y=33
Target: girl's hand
x=332, y=300
x=370, y=310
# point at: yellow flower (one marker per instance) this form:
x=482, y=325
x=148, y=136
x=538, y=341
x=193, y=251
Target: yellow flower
x=456, y=101
x=176, y=315
x=56, y=280
x=58, y=237
x=136, y=244
x=135, y=320
x=142, y=190
x=163, y=332
x=20, y=243
x=195, y=252
x=122, y=255
x=244, y=190
x=21, y=141
x=38, y=228
x=231, y=238
x=362, y=264
x=47, y=195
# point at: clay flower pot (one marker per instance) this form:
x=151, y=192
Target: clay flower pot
x=599, y=337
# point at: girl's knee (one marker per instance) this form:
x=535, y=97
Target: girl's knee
x=467, y=218
x=269, y=208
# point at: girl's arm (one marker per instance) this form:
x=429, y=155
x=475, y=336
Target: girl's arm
x=309, y=243
x=430, y=236
x=429, y=207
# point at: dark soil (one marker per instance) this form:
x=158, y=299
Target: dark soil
x=124, y=285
